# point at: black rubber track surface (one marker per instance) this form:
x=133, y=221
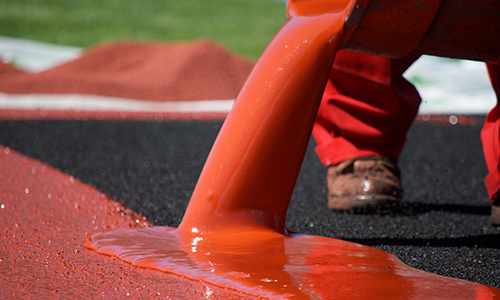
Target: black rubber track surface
x=152, y=167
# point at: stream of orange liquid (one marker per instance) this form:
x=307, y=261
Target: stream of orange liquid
x=233, y=232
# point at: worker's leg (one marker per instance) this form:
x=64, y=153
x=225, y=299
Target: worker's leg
x=366, y=112
x=490, y=136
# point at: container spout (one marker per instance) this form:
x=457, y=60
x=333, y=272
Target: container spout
x=466, y=29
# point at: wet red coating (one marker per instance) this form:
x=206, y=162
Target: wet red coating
x=268, y=264
x=199, y=70
x=45, y=218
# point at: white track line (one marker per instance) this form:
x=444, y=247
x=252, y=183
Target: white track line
x=77, y=102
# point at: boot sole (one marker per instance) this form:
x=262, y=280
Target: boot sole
x=366, y=203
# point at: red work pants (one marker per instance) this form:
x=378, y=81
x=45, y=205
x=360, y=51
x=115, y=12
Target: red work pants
x=368, y=108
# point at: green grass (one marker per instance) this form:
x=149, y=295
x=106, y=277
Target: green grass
x=244, y=26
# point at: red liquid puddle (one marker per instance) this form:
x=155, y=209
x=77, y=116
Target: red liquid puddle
x=233, y=233
x=268, y=264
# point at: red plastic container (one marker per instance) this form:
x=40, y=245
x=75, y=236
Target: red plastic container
x=467, y=29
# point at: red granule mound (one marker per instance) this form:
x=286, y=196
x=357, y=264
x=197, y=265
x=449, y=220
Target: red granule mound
x=198, y=70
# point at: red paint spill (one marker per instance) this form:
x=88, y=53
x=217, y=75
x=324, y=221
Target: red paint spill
x=268, y=264
x=233, y=233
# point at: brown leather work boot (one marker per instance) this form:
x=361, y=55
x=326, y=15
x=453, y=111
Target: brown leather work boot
x=365, y=183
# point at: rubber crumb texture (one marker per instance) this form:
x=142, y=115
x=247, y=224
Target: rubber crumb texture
x=46, y=217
